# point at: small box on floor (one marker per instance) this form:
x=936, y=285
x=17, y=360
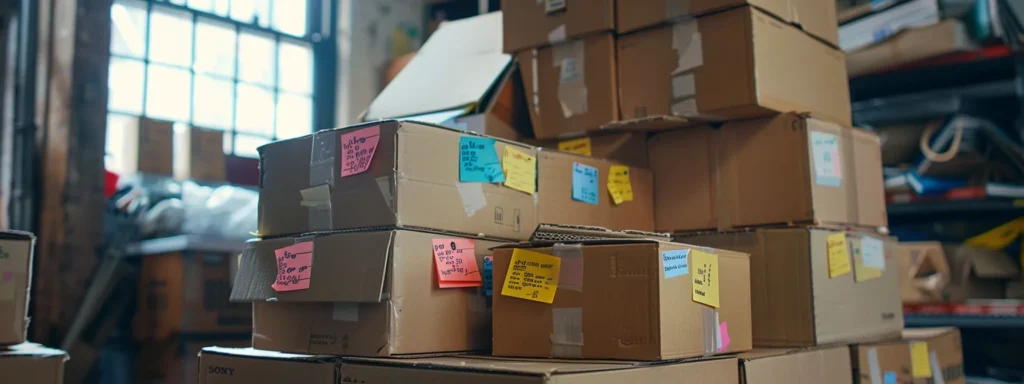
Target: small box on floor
x=16, y=252
x=814, y=365
x=219, y=365
x=936, y=355
x=620, y=299
x=815, y=286
x=529, y=24
x=881, y=363
x=32, y=363
x=376, y=293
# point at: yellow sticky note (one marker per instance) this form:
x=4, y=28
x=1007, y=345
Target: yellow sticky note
x=619, y=185
x=532, y=276
x=580, y=146
x=838, y=255
x=921, y=366
x=705, y=277
x=520, y=170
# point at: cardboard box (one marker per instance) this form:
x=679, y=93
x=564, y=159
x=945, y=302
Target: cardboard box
x=253, y=366
x=572, y=85
x=908, y=46
x=796, y=303
x=977, y=273
x=16, y=252
x=199, y=155
x=735, y=64
x=876, y=25
x=473, y=85
x=924, y=272
x=370, y=294
x=411, y=180
x=148, y=147
x=881, y=363
x=944, y=353
x=817, y=18
x=187, y=293
x=32, y=363
x=530, y=24
x=556, y=205
x=785, y=169
x=175, y=361
x=625, y=300
x=483, y=369
x=629, y=148
x=785, y=366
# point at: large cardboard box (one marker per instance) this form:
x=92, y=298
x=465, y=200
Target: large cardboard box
x=482, y=369
x=908, y=46
x=815, y=17
x=629, y=148
x=785, y=169
x=199, y=155
x=881, y=363
x=148, y=146
x=409, y=179
x=620, y=299
x=944, y=354
x=977, y=273
x=786, y=366
x=735, y=64
x=796, y=302
x=557, y=179
x=572, y=85
x=532, y=24
x=219, y=365
x=924, y=272
x=32, y=363
x=369, y=294
x=188, y=293
x=16, y=252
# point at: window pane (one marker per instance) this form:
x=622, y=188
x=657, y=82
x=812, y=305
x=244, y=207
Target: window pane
x=219, y=7
x=215, y=48
x=252, y=11
x=213, y=101
x=254, y=110
x=295, y=70
x=167, y=93
x=115, y=145
x=128, y=29
x=294, y=115
x=256, y=58
x=246, y=145
x=179, y=2
x=125, y=85
x=229, y=142
x=290, y=16
x=170, y=39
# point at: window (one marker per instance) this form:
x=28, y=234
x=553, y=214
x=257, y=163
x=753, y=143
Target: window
x=241, y=66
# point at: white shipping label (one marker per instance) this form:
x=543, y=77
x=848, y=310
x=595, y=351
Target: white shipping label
x=828, y=167
x=872, y=253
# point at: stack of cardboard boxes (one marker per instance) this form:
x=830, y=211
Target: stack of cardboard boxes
x=21, y=361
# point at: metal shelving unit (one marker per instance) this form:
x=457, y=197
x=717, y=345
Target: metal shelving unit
x=986, y=314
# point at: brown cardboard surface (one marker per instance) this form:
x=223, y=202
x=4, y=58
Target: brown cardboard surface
x=815, y=17
x=924, y=272
x=412, y=181
x=872, y=361
x=735, y=64
x=763, y=171
x=787, y=366
x=174, y=361
x=572, y=85
x=629, y=148
x=549, y=25
x=627, y=309
x=187, y=293
x=371, y=294
x=944, y=346
x=252, y=366
x=472, y=369
x=148, y=147
x=32, y=363
x=16, y=252
x=556, y=206
x=795, y=303
x=199, y=155
x=977, y=273
x=908, y=46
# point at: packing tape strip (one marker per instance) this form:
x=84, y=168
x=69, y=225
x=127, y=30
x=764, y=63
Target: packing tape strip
x=345, y=312
x=676, y=8
x=710, y=330
x=536, y=83
x=557, y=35
x=937, y=377
x=570, y=275
x=384, y=183
x=317, y=198
x=873, y=368
x=472, y=196
x=686, y=41
x=567, y=332
x=572, y=89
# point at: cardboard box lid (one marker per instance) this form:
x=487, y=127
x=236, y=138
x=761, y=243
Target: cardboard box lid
x=270, y=355
x=33, y=350
x=457, y=67
x=523, y=366
x=784, y=366
x=927, y=333
x=988, y=264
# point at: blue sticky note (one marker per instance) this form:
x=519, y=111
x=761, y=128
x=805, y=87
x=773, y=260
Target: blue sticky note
x=488, y=274
x=478, y=161
x=675, y=263
x=890, y=377
x=584, y=183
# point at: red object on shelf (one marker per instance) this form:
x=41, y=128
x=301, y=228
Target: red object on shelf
x=109, y=184
x=984, y=53
x=995, y=308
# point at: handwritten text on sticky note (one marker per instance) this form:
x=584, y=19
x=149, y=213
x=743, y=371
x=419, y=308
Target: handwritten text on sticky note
x=705, y=278
x=357, y=149
x=455, y=260
x=838, y=255
x=619, y=185
x=584, y=183
x=520, y=170
x=873, y=252
x=580, y=146
x=920, y=365
x=294, y=267
x=532, y=276
x=675, y=263
x=478, y=161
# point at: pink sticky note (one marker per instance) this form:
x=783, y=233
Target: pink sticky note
x=723, y=330
x=455, y=260
x=294, y=267
x=357, y=149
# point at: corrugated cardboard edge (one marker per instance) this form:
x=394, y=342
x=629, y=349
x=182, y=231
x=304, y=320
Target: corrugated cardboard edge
x=651, y=124
x=589, y=366
x=562, y=232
